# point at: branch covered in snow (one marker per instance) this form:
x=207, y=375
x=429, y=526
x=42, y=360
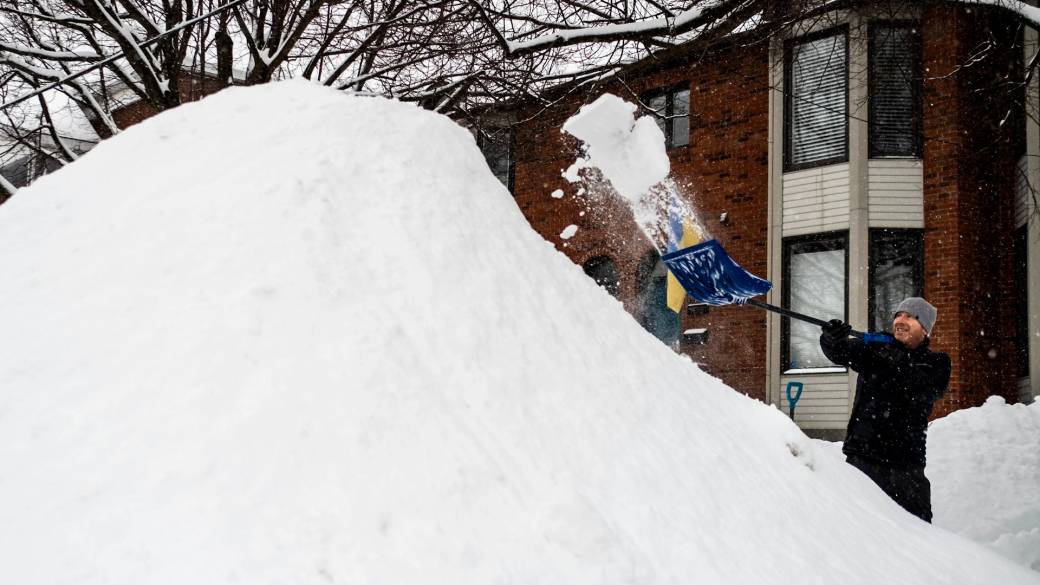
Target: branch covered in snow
x=48, y=55
x=700, y=14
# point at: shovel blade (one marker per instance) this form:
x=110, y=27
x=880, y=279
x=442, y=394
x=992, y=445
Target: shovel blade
x=709, y=275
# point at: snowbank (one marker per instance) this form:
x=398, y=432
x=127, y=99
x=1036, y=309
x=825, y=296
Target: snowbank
x=286, y=336
x=984, y=465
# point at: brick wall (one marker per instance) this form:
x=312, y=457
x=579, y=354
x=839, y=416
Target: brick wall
x=724, y=170
x=192, y=88
x=968, y=196
x=727, y=168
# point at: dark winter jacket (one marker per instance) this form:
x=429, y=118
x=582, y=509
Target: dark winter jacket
x=894, y=396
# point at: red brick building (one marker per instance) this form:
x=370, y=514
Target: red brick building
x=128, y=109
x=852, y=161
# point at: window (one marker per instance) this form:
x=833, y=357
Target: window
x=816, y=101
x=814, y=284
x=696, y=336
x=603, y=270
x=497, y=146
x=1021, y=280
x=17, y=173
x=896, y=272
x=895, y=91
x=23, y=170
x=654, y=314
x=671, y=110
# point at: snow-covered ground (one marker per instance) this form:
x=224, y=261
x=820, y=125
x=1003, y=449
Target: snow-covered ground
x=984, y=465
x=287, y=336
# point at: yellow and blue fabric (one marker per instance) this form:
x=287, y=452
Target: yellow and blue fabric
x=682, y=233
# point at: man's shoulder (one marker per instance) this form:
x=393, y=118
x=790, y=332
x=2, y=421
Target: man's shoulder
x=938, y=365
x=926, y=352
x=937, y=357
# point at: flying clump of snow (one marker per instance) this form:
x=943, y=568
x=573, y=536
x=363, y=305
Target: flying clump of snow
x=984, y=466
x=332, y=350
x=629, y=151
x=568, y=232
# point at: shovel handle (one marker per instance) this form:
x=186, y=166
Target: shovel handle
x=796, y=315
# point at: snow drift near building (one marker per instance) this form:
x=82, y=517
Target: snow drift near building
x=287, y=336
x=984, y=464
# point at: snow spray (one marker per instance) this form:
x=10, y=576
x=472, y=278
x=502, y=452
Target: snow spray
x=630, y=153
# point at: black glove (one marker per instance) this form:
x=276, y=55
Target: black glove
x=836, y=330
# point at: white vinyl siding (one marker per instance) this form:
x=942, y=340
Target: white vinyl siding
x=895, y=190
x=1023, y=195
x=824, y=403
x=816, y=200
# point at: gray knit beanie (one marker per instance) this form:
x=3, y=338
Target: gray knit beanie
x=921, y=310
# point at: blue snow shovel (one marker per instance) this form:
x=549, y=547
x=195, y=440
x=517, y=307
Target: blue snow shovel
x=709, y=275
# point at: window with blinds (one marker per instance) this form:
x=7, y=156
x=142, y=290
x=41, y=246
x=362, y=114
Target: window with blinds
x=816, y=118
x=895, y=91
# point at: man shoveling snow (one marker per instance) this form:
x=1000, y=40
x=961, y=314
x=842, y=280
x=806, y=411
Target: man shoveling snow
x=888, y=447
x=898, y=384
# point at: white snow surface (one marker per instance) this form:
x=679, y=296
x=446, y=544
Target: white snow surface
x=984, y=466
x=283, y=335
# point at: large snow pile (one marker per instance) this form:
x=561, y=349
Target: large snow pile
x=287, y=336
x=984, y=465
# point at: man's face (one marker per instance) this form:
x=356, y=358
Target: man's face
x=908, y=330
